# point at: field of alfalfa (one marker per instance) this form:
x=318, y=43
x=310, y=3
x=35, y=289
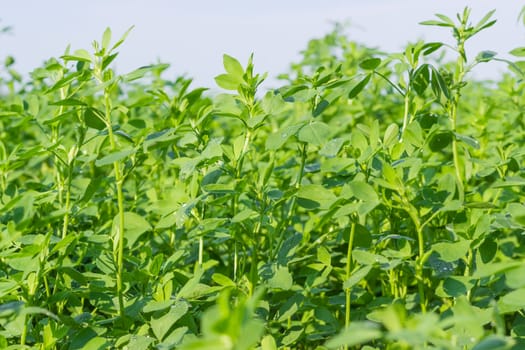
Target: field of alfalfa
x=374, y=201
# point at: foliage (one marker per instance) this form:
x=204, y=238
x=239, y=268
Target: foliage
x=373, y=201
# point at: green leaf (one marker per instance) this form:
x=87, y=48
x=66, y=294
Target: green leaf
x=439, y=83
x=370, y=63
x=315, y=196
x=189, y=288
x=435, y=23
x=134, y=226
x=141, y=72
x=79, y=55
x=359, y=86
x=440, y=140
x=472, y=142
x=212, y=342
x=87, y=338
x=222, y=280
x=357, y=276
x=488, y=250
x=512, y=301
x=518, y=52
x=517, y=213
x=282, y=279
x=106, y=39
x=358, y=333
x=452, y=205
x=96, y=343
x=456, y=286
x=68, y=102
x=363, y=191
x=365, y=257
x=445, y=21
x=429, y=48
x=493, y=342
x=391, y=135
x=486, y=56
x=514, y=278
x=122, y=38
x=244, y=215
x=114, y=157
x=315, y=133
x=162, y=325
x=320, y=108
x=482, y=23
x=421, y=79
x=220, y=188
x=268, y=343
x=94, y=118
x=452, y=251
x=288, y=248
x=332, y=147
x=494, y=268
x=140, y=342
x=278, y=139
x=153, y=306
x=228, y=81
x=289, y=307
x=232, y=66
x=509, y=182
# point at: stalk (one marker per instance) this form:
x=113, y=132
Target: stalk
x=238, y=171
x=119, y=180
x=455, y=155
x=419, y=263
x=201, y=250
x=405, y=114
x=284, y=223
x=348, y=268
x=298, y=182
x=68, y=201
x=459, y=74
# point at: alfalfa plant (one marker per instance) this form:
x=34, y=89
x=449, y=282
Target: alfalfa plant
x=98, y=64
x=245, y=107
x=462, y=32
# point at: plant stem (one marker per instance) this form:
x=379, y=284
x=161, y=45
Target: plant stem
x=458, y=81
x=412, y=212
x=235, y=199
x=298, y=181
x=120, y=203
x=201, y=250
x=285, y=221
x=348, y=269
x=405, y=114
x=67, y=206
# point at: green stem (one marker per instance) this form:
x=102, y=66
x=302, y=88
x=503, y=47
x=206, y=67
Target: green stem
x=405, y=115
x=235, y=260
x=235, y=199
x=286, y=220
x=23, y=336
x=67, y=206
x=469, y=267
x=298, y=181
x=412, y=212
x=401, y=92
x=119, y=180
x=458, y=81
x=348, y=269
x=201, y=250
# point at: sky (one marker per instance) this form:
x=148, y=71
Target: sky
x=193, y=35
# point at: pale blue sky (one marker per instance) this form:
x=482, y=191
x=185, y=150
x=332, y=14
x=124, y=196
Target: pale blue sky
x=193, y=35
